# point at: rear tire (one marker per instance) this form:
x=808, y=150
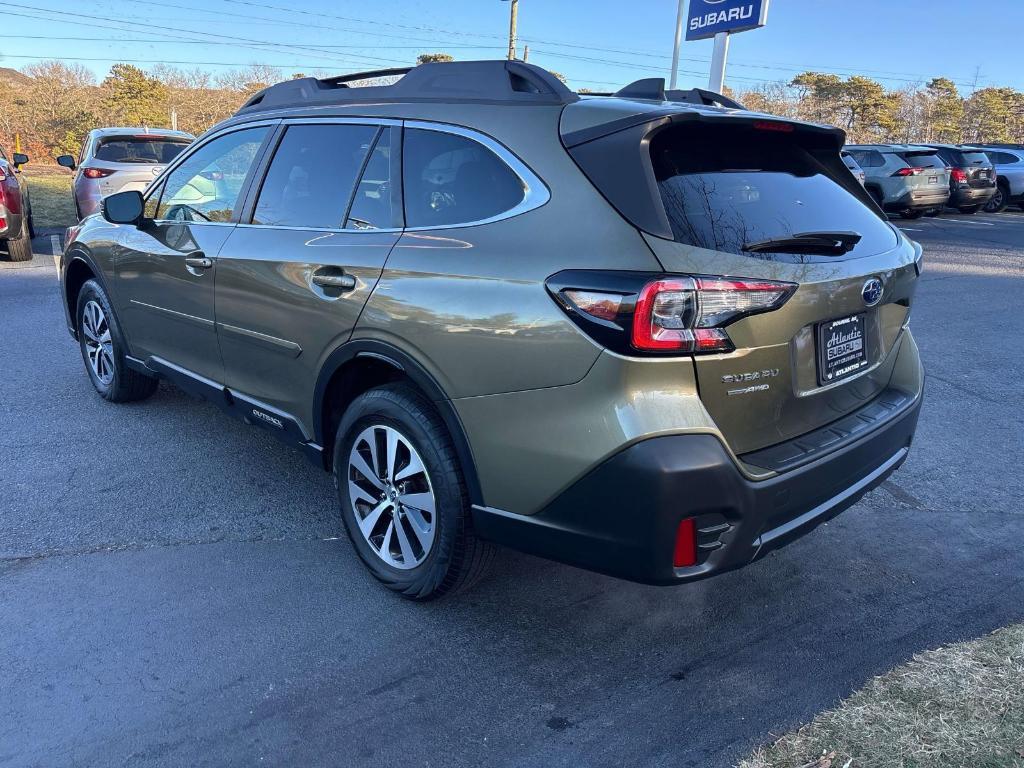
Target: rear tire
x=998, y=202
x=104, y=349
x=969, y=210
x=911, y=214
x=411, y=523
x=20, y=249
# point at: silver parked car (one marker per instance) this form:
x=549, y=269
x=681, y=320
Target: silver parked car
x=903, y=178
x=120, y=159
x=1009, y=164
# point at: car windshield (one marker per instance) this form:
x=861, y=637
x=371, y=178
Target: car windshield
x=156, y=150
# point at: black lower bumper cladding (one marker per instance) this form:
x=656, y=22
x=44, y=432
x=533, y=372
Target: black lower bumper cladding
x=621, y=518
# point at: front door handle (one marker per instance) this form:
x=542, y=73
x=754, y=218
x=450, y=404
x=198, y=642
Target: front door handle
x=198, y=261
x=334, y=279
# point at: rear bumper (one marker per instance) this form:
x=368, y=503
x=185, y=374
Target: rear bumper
x=621, y=518
x=971, y=196
x=916, y=200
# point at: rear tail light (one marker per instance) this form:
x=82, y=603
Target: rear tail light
x=96, y=173
x=958, y=175
x=632, y=313
x=684, y=554
x=909, y=172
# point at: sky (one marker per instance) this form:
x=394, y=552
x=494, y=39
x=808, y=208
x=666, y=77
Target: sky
x=598, y=44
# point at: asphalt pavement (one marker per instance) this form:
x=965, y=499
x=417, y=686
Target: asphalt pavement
x=175, y=588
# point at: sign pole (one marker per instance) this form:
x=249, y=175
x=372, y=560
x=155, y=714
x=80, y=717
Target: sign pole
x=679, y=39
x=718, y=61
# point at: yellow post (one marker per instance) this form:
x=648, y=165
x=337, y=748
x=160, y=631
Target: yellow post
x=17, y=142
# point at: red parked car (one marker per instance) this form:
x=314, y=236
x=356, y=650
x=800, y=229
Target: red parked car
x=16, y=229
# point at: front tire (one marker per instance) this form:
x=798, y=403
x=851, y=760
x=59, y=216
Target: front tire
x=104, y=349
x=403, y=497
x=20, y=249
x=969, y=210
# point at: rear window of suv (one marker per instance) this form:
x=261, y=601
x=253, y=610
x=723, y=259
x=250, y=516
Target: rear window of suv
x=139, y=149
x=922, y=160
x=726, y=186
x=976, y=158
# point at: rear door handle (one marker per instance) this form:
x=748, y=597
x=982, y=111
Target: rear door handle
x=334, y=278
x=198, y=261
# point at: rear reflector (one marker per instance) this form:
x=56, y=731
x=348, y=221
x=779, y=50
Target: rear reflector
x=685, y=554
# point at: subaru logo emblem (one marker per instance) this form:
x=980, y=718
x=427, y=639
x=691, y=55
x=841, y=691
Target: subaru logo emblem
x=872, y=291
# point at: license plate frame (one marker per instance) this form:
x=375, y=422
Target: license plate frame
x=842, y=348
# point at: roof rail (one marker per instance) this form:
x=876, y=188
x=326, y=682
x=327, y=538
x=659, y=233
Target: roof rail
x=654, y=88
x=499, y=81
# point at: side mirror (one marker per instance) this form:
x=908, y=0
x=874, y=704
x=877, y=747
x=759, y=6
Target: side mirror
x=19, y=159
x=67, y=161
x=123, y=207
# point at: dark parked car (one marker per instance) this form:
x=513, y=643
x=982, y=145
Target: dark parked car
x=501, y=312
x=16, y=226
x=972, y=177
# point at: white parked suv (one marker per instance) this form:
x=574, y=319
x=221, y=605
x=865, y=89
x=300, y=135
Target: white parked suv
x=120, y=159
x=1008, y=160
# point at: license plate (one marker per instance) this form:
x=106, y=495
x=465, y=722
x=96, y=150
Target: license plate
x=933, y=179
x=982, y=174
x=842, y=348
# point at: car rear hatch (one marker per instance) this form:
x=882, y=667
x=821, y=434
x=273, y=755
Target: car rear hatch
x=925, y=170
x=131, y=161
x=978, y=168
x=741, y=196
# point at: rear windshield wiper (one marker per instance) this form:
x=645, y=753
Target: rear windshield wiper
x=826, y=243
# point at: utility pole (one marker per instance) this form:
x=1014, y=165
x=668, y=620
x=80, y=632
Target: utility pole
x=513, y=12
x=679, y=40
x=526, y=53
x=174, y=119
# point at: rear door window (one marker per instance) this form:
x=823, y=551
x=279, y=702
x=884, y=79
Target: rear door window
x=450, y=179
x=310, y=180
x=724, y=187
x=868, y=158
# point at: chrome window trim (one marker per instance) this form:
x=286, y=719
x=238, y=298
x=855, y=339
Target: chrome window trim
x=535, y=192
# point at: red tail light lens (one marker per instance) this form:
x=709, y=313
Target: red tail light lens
x=958, y=175
x=909, y=172
x=685, y=553
x=631, y=312
x=688, y=315
x=96, y=173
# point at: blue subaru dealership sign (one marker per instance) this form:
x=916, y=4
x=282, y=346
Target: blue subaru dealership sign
x=707, y=18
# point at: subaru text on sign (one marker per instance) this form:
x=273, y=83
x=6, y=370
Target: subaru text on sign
x=707, y=18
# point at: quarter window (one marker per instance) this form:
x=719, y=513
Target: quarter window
x=450, y=179
x=310, y=180
x=207, y=185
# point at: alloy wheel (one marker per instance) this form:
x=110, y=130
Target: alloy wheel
x=392, y=496
x=98, y=345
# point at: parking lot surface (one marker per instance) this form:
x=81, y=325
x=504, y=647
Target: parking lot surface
x=175, y=588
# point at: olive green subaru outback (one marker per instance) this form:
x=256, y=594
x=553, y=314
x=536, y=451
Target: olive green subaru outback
x=649, y=334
